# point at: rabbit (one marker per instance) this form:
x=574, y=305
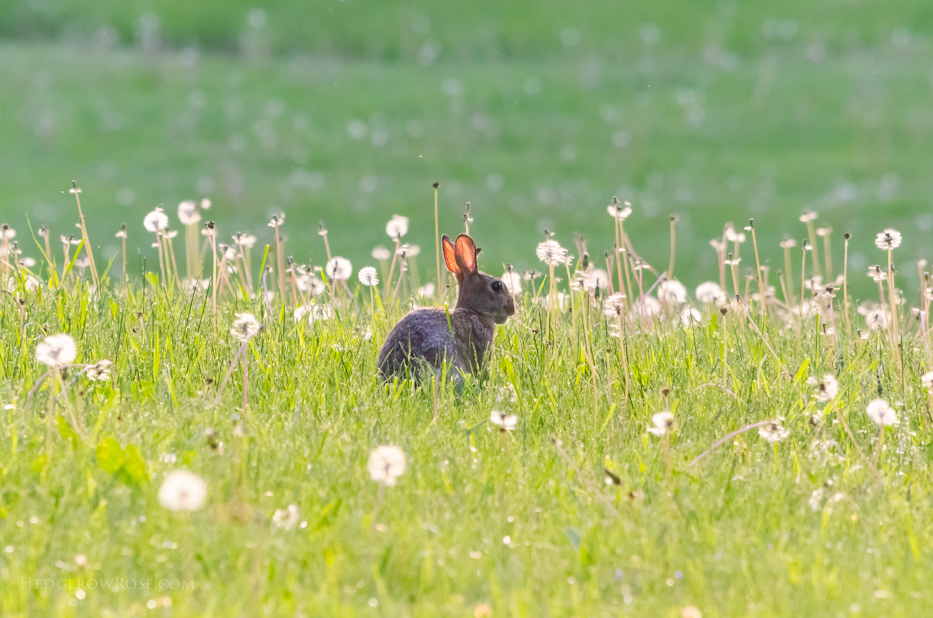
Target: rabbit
x=426, y=337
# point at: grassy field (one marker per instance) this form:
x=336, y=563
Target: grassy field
x=537, y=113
x=710, y=112
x=578, y=511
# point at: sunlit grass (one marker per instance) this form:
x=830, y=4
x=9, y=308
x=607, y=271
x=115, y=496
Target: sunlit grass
x=612, y=486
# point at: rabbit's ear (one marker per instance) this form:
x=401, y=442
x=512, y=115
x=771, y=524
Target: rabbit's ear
x=466, y=254
x=450, y=258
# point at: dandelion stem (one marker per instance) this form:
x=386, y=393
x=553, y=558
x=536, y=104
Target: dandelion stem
x=845, y=284
x=280, y=262
x=789, y=273
x=725, y=439
x=164, y=280
x=670, y=268
x=392, y=267
x=811, y=233
x=618, y=249
x=87, y=240
x=437, y=243
x=245, y=381
x=761, y=286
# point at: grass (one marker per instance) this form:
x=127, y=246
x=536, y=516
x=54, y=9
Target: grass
x=827, y=116
x=537, y=114
x=526, y=523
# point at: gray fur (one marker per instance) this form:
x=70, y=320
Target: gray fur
x=426, y=337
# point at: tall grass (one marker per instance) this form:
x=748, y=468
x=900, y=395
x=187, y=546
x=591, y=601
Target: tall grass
x=594, y=504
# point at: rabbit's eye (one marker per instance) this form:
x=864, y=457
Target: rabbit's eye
x=496, y=286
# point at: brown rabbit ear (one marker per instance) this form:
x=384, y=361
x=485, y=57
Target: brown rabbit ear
x=466, y=254
x=450, y=258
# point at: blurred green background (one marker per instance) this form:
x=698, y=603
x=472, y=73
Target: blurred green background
x=537, y=112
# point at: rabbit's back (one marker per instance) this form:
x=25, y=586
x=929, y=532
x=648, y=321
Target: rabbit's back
x=421, y=336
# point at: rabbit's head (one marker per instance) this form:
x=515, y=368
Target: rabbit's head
x=479, y=292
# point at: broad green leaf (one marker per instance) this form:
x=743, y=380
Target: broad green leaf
x=135, y=465
x=110, y=456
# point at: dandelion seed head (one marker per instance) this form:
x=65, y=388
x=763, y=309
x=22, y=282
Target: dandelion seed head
x=339, y=268
x=245, y=326
x=381, y=253
x=773, y=431
x=808, y=216
x=825, y=389
x=788, y=243
x=386, y=464
x=504, y=421
x=182, y=491
x=709, y=292
x=690, y=317
x=408, y=250
x=615, y=305
x=100, y=371
x=188, y=212
x=661, y=422
x=368, y=276
x=247, y=241
x=619, y=211
x=513, y=282
x=57, y=351
x=156, y=221
x=551, y=253
x=881, y=413
x=888, y=239
x=397, y=227
x=672, y=293
x=286, y=518
x=733, y=236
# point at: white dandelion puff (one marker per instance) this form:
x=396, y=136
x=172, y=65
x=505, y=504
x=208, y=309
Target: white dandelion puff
x=619, y=211
x=672, y=293
x=881, y=413
x=825, y=389
x=245, y=326
x=368, y=276
x=710, y=293
x=505, y=422
x=188, y=213
x=397, y=227
x=513, y=282
x=57, y=351
x=339, y=268
x=156, y=221
x=773, y=431
x=661, y=423
x=100, y=371
x=182, y=491
x=888, y=239
x=386, y=464
x=286, y=518
x=551, y=253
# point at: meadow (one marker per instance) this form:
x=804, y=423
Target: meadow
x=194, y=422
x=535, y=113
x=723, y=457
